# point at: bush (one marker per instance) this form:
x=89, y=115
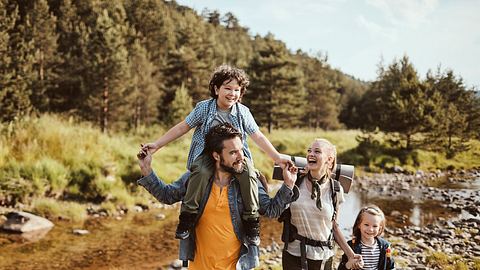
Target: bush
x=53, y=209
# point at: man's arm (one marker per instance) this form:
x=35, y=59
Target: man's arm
x=274, y=207
x=164, y=193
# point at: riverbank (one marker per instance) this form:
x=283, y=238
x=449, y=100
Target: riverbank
x=444, y=236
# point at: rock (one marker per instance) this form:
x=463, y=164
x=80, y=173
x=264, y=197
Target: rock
x=80, y=232
x=160, y=216
x=418, y=266
x=26, y=222
x=177, y=264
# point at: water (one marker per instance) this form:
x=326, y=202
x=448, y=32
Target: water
x=418, y=211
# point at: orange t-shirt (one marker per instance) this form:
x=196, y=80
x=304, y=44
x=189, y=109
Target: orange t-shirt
x=217, y=246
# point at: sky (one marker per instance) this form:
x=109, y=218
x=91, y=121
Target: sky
x=357, y=35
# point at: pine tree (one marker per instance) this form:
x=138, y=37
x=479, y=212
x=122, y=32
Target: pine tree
x=109, y=68
x=276, y=96
x=143, y=94
x=40, y=29
x=449, y=126
x=181, y=105
x=323, y=106
x=16, y=64
x=397, y=102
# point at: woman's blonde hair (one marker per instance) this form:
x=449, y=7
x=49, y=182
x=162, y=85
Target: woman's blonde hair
x=372, y=210
x=331, y=152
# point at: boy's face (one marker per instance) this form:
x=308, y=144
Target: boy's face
x=228, y=94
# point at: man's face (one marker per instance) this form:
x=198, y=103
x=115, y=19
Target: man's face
x=231, y=158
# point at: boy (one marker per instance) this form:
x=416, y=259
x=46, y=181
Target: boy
x=227, y=86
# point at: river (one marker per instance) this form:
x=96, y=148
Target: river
x=145, y=241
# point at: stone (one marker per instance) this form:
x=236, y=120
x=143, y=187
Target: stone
x=160, y=216
x=19, y=221
x=80, y=232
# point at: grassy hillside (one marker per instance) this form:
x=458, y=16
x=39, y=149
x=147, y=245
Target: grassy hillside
x=50, y=158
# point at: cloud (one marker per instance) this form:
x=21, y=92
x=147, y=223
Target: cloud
x=375, y=29
x=412, y=13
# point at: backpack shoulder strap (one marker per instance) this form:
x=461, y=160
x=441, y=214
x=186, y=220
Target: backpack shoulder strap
x=335, y=184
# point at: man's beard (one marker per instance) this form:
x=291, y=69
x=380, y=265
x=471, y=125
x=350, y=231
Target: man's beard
x=231, y=169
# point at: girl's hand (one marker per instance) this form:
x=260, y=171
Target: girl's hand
x=355, y=263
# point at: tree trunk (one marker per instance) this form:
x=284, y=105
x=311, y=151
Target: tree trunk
x=104, y=119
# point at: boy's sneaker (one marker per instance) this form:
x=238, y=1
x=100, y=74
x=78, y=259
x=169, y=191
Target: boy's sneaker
x=185, y=224
x=252, y=231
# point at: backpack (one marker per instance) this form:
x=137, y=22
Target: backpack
x=290, y=232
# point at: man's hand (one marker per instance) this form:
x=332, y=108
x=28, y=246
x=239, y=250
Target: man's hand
x=145, y=161
x=289, y=174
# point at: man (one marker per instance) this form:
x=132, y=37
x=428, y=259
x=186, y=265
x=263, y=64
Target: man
x=219, y=236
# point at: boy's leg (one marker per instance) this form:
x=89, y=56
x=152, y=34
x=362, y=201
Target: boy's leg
x=201, y=171
x=249, y=192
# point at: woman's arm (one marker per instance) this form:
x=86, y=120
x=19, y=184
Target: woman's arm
x=355, y=261
x=172, y=134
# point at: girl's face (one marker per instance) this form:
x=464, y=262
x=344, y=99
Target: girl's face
x=370, y=227
x=228, y=94
x=317, y=156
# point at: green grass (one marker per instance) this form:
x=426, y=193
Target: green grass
x=53, y=209
x=440, y=260
x=56, y=157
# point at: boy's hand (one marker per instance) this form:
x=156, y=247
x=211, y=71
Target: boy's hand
x=284, y=162
x=152, y=147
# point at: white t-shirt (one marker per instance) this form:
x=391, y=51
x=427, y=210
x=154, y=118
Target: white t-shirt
x=313, y=223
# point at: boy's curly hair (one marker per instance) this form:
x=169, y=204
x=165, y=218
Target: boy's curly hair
x=226, y=73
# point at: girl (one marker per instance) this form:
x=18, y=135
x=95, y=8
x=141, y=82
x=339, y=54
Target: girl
x=375, y=250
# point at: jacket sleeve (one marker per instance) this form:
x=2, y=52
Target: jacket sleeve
x=168, y=194
x=343, y=263
x=273, y=207
x=389, y=257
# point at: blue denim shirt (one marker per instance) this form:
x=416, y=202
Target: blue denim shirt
x=270, y=207
x=201, y=119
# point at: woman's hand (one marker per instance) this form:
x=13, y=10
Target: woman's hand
x=356, y=262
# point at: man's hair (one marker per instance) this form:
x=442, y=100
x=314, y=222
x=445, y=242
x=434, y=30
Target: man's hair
x=226, y=73
x=217, y=135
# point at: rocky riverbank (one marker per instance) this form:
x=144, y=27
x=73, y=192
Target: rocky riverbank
x=443, y=244
x=440, y=242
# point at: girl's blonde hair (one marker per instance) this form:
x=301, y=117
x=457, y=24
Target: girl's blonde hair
x=372, y=210
x=331, y=152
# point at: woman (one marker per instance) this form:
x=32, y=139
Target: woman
x=310, y=225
